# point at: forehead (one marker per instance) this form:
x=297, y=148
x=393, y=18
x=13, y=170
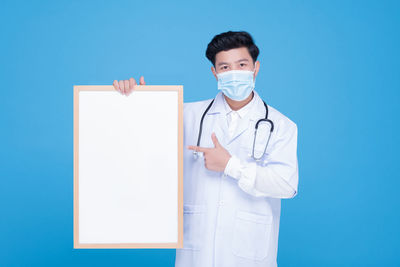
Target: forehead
x=233, y=55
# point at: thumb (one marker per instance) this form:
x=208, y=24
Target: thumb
x=215, y=140
x=141, y=81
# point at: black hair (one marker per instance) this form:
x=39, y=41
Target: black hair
x=229, y=40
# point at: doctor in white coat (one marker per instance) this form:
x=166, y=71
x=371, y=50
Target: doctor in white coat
x=232, y=200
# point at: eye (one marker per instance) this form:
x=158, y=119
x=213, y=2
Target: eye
x=224, y=67
x=242, y=64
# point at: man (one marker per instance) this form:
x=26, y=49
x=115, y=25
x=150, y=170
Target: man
x=232, y=198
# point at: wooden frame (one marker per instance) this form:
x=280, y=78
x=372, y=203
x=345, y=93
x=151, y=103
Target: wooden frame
x=76, y=179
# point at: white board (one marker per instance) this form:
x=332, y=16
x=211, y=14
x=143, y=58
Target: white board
x=128, y=168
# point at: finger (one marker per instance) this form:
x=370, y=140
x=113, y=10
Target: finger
x=141, y=81
x=126, y=83
x=198, y=149
x=215, y=140
x=116, y=86
x=122, y=86
x=132, y=84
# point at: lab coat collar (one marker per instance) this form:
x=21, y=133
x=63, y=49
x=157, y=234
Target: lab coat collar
x=256, y=112
x=241, y=112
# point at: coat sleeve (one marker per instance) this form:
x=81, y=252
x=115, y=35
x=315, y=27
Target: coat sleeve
x=278, y=176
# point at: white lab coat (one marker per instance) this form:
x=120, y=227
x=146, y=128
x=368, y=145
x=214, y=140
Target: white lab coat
x=227, y=225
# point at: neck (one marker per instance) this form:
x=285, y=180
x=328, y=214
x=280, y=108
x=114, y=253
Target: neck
x=236, y=105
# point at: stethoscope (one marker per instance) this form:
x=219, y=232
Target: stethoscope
x=195, y=153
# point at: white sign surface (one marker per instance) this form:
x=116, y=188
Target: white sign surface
x=127, y=161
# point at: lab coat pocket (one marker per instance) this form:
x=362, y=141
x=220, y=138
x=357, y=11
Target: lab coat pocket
x=193, y=218
x=251, y=235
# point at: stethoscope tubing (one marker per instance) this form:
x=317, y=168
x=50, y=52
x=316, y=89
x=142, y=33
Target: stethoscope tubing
x=255, y=130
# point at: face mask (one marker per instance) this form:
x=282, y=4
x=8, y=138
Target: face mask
x=236, y=84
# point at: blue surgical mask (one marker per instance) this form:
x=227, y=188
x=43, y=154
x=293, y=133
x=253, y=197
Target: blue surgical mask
x=236, y=84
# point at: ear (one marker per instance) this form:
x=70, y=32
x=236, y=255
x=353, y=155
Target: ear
x=257, y=66
x=214, y=73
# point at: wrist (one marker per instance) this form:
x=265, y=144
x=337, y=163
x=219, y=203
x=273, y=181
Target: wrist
x=232, y=167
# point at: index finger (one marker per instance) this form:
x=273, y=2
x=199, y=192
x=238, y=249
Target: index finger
x=198, y=149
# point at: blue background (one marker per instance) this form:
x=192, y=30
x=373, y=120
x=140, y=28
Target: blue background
x=330, y=66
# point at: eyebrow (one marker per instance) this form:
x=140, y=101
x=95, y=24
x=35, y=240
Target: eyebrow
x=243, y=59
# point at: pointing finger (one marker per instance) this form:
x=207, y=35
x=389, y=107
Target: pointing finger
x=198, y=149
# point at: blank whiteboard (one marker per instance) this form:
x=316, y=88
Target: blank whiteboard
x=128, y=167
